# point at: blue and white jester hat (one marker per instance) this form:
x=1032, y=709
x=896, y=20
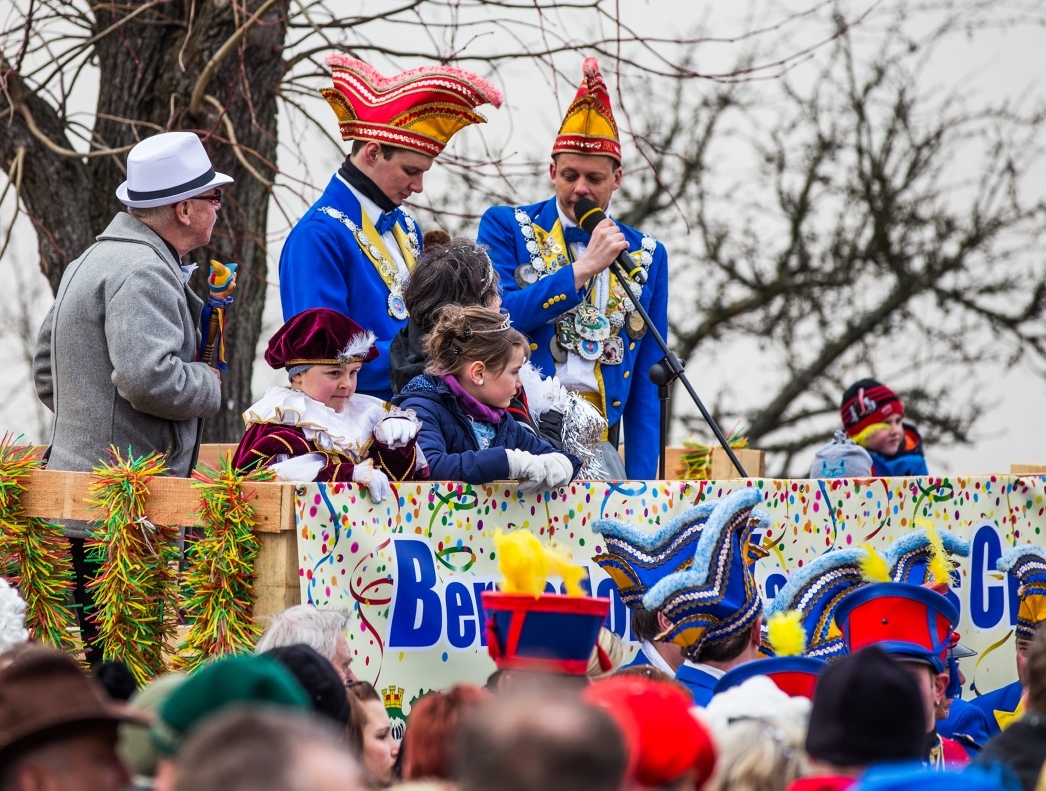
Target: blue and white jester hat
x=815, y=591
x=1028, y=564
x=923, y=557
x=636, y=558
x=716, y=596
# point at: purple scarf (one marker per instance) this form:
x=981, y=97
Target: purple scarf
x=470, y=406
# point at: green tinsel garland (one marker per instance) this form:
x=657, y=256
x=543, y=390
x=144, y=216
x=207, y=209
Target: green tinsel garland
x=219, y=579
x=34, y=554
x=135, y=593
x=696, y=463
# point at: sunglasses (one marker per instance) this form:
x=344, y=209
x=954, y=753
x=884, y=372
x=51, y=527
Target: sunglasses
x=215, y=196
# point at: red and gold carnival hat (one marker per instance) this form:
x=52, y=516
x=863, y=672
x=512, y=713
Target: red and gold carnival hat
x=419, y=110
x=589, y=126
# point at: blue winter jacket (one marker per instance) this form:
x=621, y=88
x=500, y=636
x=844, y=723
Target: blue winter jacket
x=908, y=460
x=447, y=440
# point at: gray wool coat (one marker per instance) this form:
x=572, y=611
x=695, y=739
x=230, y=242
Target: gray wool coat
x=116, y=355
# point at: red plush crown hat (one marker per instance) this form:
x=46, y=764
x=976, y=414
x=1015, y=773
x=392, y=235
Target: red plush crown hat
x=320, y=336
x=589, y=126
x=419, y=110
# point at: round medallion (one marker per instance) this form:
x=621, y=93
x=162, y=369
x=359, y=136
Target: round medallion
x=590, y=323
x=589, y=350
x=397, y=307
x=559, y=354
x=635, y=326
x=526, y=275
x=613, y=351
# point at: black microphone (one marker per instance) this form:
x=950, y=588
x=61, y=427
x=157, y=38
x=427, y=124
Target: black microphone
x=589, y=215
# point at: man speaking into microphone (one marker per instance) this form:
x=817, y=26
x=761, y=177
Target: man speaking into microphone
x=580, y=319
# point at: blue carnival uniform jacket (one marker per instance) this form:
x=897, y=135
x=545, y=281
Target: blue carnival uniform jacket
x=966, y=724
x=449, y=444
x=700, y=683
x=998, y=703
x=628, y=393
x=323, y=265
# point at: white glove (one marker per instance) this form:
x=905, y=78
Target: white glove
x=558, y=470
x=303, y=469
x=376, y=481
x=396, y=432
x=526, y=468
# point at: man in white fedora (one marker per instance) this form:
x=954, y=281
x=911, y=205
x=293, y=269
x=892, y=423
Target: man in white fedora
x=116, y=355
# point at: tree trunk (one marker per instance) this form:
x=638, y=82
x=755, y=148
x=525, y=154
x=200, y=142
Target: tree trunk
x=149, y=67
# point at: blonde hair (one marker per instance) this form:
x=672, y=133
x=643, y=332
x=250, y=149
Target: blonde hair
x=464, y=335
x=758, y=755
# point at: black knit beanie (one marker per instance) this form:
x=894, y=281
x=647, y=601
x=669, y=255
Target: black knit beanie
x=318, y=677
x=867, y=710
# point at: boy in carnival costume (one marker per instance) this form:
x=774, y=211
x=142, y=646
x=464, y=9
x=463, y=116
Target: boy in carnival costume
x=319, y=428
x=354, y=248
x=873, y=417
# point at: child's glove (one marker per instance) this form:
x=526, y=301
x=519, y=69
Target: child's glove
x=396, y=431
x=303, y=469
x=558, y=470
x=376, y=481
x=526, y=468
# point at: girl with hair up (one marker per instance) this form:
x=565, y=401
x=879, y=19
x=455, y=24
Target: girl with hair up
x=462, y=400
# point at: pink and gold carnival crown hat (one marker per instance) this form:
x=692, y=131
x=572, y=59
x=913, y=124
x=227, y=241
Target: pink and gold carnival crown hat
x=589, y=126
x=419, y=110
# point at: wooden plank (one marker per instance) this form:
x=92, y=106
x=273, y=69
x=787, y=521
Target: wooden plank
x=54, y=494
x=1028, y=469
x=276, y=577
x=674, y=462
x=754, y=462
x=211, y=454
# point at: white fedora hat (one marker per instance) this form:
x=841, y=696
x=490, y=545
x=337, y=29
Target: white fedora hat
x=167, y=168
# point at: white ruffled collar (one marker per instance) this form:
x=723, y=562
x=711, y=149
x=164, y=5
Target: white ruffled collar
x=350, y=431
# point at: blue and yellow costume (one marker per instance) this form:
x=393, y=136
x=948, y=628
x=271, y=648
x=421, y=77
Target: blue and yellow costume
x=335, y=257
x=626, y=391
x=534, y=255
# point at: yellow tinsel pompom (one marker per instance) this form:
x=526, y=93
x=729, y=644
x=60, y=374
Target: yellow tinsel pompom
x=939, y=565
x=866, y=434
x=873, y=566
x=526, y=564
x=562, y=565
x=785, y=632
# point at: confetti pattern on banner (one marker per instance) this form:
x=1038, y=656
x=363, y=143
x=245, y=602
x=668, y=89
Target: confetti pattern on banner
x=412, y=567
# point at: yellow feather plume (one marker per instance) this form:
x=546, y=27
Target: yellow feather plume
x=562, y=565
x=939, y=564
x=785, y=633
x=521, y=561
x=526, y=564
x=873, y=566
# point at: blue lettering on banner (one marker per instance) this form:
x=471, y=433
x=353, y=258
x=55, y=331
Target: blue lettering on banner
x=461, y=616
x=987, y=590
x=427, y=611
x=774, y=583
x=417, y=612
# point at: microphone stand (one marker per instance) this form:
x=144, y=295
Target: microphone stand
x=665, y=372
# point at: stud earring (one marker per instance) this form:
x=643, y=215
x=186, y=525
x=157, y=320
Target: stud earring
x=480, y=383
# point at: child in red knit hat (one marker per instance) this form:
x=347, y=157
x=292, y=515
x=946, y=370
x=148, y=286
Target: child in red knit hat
x=873, y=417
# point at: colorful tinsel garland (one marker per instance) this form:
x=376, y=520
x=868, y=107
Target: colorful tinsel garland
x=220, y=578
x=34, y=553
x=135, y=593
x=696, y=463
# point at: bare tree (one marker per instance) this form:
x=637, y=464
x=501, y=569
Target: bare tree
x=225, y=68
x=876, y=228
